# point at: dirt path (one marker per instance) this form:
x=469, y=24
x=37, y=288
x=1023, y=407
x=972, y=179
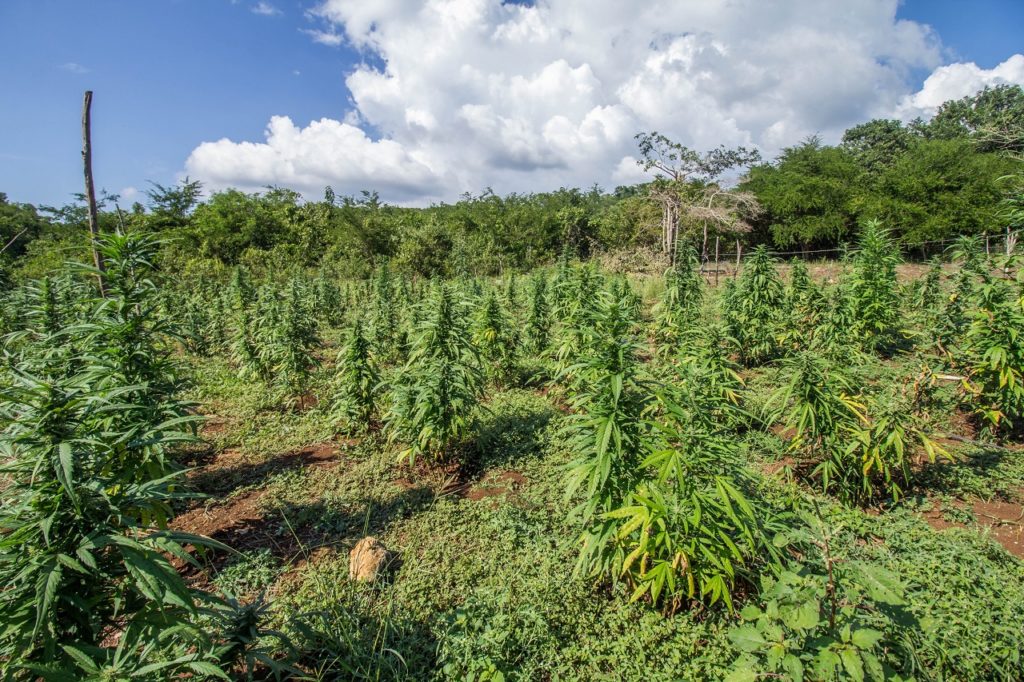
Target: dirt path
x=241, y=521
x=1003, y=521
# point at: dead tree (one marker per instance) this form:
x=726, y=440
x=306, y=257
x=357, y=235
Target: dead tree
x=676, y=167
x=90, y=192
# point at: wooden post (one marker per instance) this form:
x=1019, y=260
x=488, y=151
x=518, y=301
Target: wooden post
x=90, y=190
x=13, y=239
x=738, y=250
x=988, y=252
x=1009, y=246
x=716, y=260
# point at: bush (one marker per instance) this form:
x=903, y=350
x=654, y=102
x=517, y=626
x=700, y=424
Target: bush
x=436, y=391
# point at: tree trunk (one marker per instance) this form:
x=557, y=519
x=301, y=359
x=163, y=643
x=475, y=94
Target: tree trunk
x=90, y=190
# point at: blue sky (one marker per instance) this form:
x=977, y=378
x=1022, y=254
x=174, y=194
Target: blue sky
x=169, y=75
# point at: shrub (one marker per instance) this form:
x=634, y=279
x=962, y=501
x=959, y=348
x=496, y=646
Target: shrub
x=842, y=624
x=754, y=309
x=873, y=288
x=357, y=381
x=496, y=339
x=661, y=509
x=680, y=305
x=439, y=385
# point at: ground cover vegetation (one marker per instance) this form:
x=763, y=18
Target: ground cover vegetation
x=583, y=467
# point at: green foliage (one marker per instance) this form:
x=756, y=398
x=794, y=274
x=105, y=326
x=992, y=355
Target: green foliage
x=810, y=193
x=496, y=339
x=292, y=341
x=357, y=382
x=938, y=184
x=821, y=415
x=538, y=321
x=713, y=388
x=877, y=144
x=85, y=545
x=840, y=625
x=754, y=309
x=860, y=449
x=800, y=284
x=434, y=394
x=680, y=306
x=873, y=289
x=993, y=355
x=386, y=319
x=927, y=293
x=658, y=512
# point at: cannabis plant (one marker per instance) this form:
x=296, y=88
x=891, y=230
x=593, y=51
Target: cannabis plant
x=755, y=309
x=440, y=384
x=357, y=381
x=90, y=486
x=821, y=414
x=84, y=547
x=538, y=321
x=680, y=305
x=993, y=356
x=496, y=339
x=386, y=320
x=800, y=284
x=689, y=532
x=712, y=383
x=293, y=340
x=129, y=352
x=873, y=288
x=928, y=293
x=661, y=510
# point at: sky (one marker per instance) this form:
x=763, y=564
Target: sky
x=423, y=101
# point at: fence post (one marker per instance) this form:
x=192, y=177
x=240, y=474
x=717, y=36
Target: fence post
x=716, y=260
x=738, y=251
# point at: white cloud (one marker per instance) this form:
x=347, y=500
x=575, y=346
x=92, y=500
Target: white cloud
x=74, y=67
x=458, y=95
x=329, y=38
x=325, y=152
x=265, y=9
x=955, y=81
x=129, y=194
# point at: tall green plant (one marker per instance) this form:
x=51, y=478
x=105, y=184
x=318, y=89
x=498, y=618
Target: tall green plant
x=496, y=339
x=538, y=321
x=439, y=385
x=680, y=305
x=755, y=308
x=659, y=510
x=357, y=382
x=873, y=288
x=993, y=355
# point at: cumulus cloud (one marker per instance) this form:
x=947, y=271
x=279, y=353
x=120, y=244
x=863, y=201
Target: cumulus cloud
x=324, y=152
x=463, y=94
x=955, y=81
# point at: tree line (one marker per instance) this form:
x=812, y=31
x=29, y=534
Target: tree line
x=958, y=173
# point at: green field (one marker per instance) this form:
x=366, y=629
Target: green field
x=577, y=472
